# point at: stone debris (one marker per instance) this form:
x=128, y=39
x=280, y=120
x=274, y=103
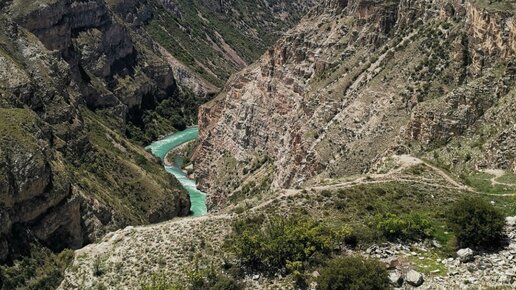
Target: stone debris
x=396, y=279
x=469, y=270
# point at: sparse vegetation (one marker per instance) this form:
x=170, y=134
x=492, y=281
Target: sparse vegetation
x=483, y=183
x=198, y=37
x=42, y=270
x=160, y=282
x=138, y=185
x=197, y=279
x=499, y=5
x=209, y=278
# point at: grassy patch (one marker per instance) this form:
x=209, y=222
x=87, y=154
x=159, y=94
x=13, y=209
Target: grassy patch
x=482, y=182
x=429, y=263
x=497, y=5
x=508, y=178
x=17, y=125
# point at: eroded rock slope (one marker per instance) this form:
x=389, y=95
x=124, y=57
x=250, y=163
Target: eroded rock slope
x=359, y=80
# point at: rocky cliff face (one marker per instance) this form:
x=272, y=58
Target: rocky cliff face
x=68, y=174
x=100, y=51
x=358, y=80
x=81, y=80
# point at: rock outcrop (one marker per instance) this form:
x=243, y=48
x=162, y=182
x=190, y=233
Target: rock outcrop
x=64, y=182
x=357, y=80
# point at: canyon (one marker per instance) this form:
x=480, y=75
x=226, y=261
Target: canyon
x=346, y=112
x=83, y=84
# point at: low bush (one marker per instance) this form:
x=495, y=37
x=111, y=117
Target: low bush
x=41, y=270
x=476, y=223
x=197, y=279
x=407, y=227
x=268, y=246
x=353, y=272
x=159, y=283
x=209, y=278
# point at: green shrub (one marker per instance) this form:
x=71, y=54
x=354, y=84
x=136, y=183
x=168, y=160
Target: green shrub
x=159, y=282
x=226, y=283
x=197, y=279
x=209, y=278
x=98, y=267
x=353, y=272
x=41, y=270
x=269, y=246
x=476, y=223
x=406, y=227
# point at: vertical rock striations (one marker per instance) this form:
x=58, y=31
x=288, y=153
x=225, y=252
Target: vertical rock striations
x=354, y=81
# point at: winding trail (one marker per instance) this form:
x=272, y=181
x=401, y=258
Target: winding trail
x=405, y=161
x=497, y=173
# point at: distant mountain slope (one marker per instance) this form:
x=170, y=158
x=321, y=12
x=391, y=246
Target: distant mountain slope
x=218, y=38
x=357, y=81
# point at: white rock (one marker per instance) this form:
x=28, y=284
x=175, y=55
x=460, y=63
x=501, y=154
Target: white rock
x=511, y=220
x=396, y=279
x=465, y=255
x=436, y=244
x=414, y=278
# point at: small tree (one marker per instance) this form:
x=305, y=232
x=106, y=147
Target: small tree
x=353, y=272
x=476, y=223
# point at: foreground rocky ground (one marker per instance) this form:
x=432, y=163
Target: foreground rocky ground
x=468, y=270
x=129, y=258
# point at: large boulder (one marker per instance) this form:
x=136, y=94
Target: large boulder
x=414, y=278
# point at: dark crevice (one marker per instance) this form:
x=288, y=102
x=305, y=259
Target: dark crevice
x=84, y=75
x=125, y=65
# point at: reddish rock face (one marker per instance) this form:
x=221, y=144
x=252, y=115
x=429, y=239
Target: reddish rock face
x=352, y=82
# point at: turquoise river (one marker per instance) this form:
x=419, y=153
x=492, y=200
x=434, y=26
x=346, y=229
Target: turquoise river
x=162, y=147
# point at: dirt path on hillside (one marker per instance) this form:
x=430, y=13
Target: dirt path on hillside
x=497, y=173
x=404, y=162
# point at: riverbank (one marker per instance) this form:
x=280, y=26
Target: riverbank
x=176, y=150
